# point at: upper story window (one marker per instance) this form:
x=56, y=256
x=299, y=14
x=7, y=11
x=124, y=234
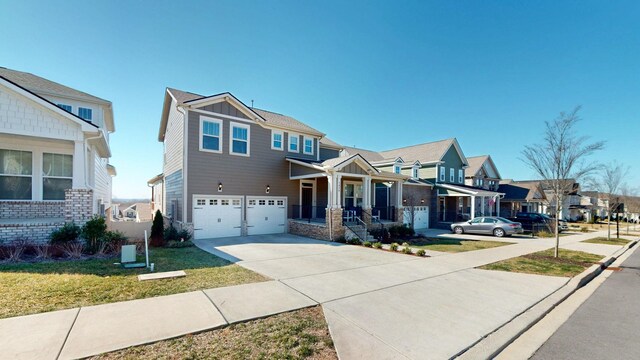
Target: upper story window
x=85, y=113
x=16, y=170
x=415, y=172
x=210, y=135
x=277, y=138
x=293, y=143
x=239, y=139
x=460, y=176
x=452, y=175
x=57, y=175
x=396, y=169
x=308, y=146
x=66, y=107
x=443, y=171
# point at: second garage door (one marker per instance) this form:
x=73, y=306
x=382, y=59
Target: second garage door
x=266, y=215
x=420, y=217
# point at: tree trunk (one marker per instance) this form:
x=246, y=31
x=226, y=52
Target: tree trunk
x=557, y=249
x=609, y=226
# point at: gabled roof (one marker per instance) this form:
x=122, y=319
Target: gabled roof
x=326, y=142
x=370, y=155
x=478, y=162
x=263, y=117
x=426, y=153
x=529, y=191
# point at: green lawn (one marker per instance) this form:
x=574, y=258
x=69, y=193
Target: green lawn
x=454, y=245
x=294, y=335
x=604, y=240
x=29, y=288
x=569, y=263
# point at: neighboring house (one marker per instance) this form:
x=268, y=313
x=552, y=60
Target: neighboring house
x=115, y=211
x=482, y=173
x=138, y=212
x=521, y=196
x=54, y=151
x=231, y=170
x=573, y=208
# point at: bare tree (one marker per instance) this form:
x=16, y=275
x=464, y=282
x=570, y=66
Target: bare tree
x=630, y=202
x=559, y=158
x=609, y=182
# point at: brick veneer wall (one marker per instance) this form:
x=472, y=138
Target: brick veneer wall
x=31, y=209
x=37, y=233
x=78, y=205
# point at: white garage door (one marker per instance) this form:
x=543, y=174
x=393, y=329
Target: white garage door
x=266, y=215
x=420, y=217
x=216, y=216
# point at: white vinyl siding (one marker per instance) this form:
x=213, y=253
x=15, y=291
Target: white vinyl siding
x=210, y=135
x=239, y=139
x=277, y=140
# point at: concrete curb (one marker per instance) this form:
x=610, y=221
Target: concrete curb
x=491, y=345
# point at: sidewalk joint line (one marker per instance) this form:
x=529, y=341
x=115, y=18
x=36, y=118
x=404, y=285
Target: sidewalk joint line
x=216, y=307
x=300, y=292
x=68, y=333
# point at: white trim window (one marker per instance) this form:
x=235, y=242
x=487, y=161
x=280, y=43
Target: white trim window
x=443, y=171
x=415, y=172
x=85, y=113
x=57, y=175
x=294, y=140
x=396, y=169
x=210, y=135
x=16, y=174
x=308, y=145
x=452, y=175
x=66, y=107
x=460, y=176
x=239, y=139
x=277, y=140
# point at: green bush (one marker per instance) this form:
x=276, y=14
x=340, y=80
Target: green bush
x=178, y=244
x=402, y=231
x=407, y=250
x=377, y=245
x=157, y=229
x=354, y=241
x=93, y=232
x=394, y=246
x=69, y=232
x=170, y=234
x=367, y=244
x=114, y=239
x=381, y=234
x=405, y=244
x=341, y=240
x=421, y=252
x=584, y=229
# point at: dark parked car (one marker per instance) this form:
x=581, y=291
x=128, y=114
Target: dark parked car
x=490, y=225
x=538, y=221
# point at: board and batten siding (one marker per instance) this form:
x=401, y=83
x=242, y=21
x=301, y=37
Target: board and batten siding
x=173, y=163
x=239, y=175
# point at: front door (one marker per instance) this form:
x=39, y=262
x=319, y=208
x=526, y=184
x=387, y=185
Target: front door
x=307, y=201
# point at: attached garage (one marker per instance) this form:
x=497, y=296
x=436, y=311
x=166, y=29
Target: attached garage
x=420, y=217
x=217, y=216
x=266, y=215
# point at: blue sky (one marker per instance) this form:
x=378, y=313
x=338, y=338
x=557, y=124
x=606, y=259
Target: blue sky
x=377, y=75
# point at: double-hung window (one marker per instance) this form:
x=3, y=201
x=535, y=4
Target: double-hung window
x=396, y=169
x=443, y=170
x=85, y=113
x=210, y=135
x=308, y=146
x=16, y=174
x=65, y=107
x=277, y=140
x=57, y=175
x=452, y=175
x=239, y=139
x=293, y=143
x=415, y=172
x=460, y=176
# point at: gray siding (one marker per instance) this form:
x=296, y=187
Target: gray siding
x=174, y=191
x=173, y=141
x=452, y=160
x=298, y=170
x=239, y=175
x=226, y=109
x=321, y=192
x=326, y=154
x=353, y=168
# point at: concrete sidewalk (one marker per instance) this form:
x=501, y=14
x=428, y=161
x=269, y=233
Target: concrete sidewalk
x=363, y=291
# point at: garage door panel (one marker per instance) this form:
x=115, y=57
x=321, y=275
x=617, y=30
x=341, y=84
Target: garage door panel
x=266, y=215
x=215, y=217
x=420, y=217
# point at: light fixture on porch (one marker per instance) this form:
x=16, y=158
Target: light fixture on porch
x=421, y=201
x=404, y=201
x=219, y=187
x=267, y=189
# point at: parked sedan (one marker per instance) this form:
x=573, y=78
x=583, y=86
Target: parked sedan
x=490, y=225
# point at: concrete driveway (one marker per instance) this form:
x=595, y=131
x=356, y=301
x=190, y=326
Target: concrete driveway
x=388, y=305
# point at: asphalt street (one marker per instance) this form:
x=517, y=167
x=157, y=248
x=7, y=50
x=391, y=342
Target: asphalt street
x=607, y=325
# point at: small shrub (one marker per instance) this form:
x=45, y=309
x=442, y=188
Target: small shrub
x=93, y=231
x=73, y=250
x=382, y=234
x=377, y=245
x=407, y=250
x=157, y=230
x=15, y=251
x=367, y=244
x=341, y=240
x=178, y=244
x=114, y=240
x=584, y=229
x=69, y=232
x=405, y=244
x=421, y=252
x=354, y=241
x=103, y=249
x=43, y=251
x=406, y=231
x=170, y=233
x=393, y=247
x=184, y=234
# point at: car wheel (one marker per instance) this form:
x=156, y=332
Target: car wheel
x=458, y=230
x=498, y=232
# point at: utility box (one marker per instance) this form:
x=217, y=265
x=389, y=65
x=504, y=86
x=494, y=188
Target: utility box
x=128, y=254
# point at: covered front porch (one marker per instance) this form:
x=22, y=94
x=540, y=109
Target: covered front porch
x=461, y=203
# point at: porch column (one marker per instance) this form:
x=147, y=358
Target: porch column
x=399, y=194
x=338, y=191
x=366, y=189
x=79, y=170
x=482, y=206
x=330, y=187
x=498, y=206
x=473, y=207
